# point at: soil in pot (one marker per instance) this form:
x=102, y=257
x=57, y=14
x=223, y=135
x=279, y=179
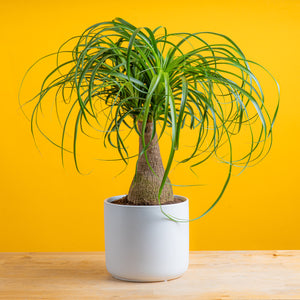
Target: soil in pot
x=124, y=201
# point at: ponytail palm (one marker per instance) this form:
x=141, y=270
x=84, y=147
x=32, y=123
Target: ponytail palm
x=153, y=82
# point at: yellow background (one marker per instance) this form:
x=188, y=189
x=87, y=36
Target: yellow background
x=44, y=207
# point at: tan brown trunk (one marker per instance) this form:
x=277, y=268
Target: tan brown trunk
x=145, y=185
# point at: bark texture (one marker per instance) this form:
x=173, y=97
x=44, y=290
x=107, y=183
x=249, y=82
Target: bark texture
x=145, y=185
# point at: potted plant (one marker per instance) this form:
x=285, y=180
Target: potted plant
x=120, y=79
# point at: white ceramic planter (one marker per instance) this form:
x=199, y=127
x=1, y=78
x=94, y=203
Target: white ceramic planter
x=141, y=244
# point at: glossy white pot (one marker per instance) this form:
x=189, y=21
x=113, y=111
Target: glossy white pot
x=141, y=244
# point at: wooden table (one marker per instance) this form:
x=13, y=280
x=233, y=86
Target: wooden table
x=211, y=275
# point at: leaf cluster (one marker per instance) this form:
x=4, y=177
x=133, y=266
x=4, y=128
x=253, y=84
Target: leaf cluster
x=174, y=80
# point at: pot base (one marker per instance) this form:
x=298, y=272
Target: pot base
x=150, y=280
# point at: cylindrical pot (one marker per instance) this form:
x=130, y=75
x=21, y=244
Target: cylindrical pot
x=142, y=244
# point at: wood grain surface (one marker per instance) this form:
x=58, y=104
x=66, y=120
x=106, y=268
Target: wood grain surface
x=211, y=275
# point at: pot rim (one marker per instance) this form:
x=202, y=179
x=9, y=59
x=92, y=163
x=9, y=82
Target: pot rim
x=108, y=201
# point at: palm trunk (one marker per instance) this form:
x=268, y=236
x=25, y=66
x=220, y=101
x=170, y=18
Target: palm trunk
x=145, y=185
